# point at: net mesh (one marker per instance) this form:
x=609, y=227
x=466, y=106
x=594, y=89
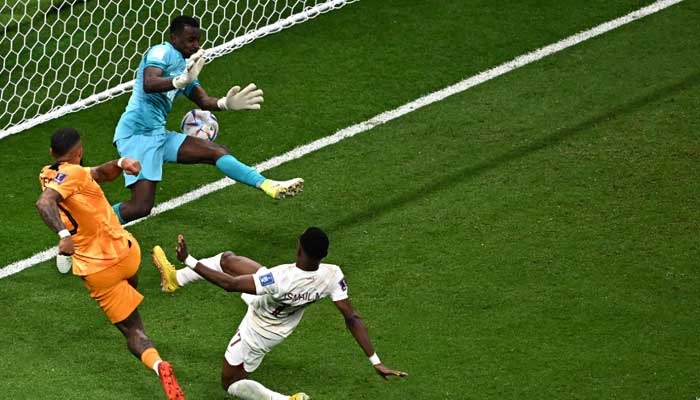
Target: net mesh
x=60, y=56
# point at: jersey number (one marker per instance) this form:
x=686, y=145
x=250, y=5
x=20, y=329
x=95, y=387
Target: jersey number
x=276, y=312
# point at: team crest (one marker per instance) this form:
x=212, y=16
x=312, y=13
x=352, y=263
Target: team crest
x=267, y=279
x=60, y=178
x=343, y=284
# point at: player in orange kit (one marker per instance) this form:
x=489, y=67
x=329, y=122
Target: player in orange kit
x=105, y=255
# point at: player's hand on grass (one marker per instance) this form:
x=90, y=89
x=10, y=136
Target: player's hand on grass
x=249, y=98
x=181, y=248
x=385, y=372
x=66, y=246
x=192, y=70
x=131, y=166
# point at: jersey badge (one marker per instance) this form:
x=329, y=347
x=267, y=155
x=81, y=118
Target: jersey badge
x=343, y=284
x=267, y=279
x=60, y=178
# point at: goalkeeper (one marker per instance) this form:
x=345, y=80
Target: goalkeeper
x=163, y=75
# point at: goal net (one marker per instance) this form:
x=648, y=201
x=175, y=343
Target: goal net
x=60, y=56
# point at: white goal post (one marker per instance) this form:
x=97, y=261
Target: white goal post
x=60, y=56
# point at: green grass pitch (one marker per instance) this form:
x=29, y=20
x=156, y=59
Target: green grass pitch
x=535, y=237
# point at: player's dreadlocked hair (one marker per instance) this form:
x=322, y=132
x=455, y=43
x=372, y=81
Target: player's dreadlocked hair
x=179, y=23
x=314, y=242
x=63, y=140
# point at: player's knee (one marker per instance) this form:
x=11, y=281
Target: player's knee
x=228, y=257
x=221, y=150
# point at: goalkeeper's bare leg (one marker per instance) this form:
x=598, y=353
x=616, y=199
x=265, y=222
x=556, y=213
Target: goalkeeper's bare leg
x=199, y=151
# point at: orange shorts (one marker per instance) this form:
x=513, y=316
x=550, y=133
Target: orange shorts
x=117, y=298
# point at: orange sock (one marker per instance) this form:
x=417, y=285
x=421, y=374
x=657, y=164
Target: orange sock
x=149, y=357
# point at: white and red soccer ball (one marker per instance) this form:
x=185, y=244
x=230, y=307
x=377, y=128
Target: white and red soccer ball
x=201, y=124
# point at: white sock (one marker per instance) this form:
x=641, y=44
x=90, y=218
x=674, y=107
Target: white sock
x=247, y=389
x=155, y=366
x=187, y=275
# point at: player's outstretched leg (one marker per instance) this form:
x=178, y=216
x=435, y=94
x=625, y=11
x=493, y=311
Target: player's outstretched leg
x=168, y=274
x=171, y=279
x=194, y=151
x=247, y=389
x=234, y=378
x=167, y=379
x=236, y=265
x=281, y=189
x=142, y=347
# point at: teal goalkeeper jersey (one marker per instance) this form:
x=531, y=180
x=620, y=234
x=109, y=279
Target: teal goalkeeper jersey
x=146, y=112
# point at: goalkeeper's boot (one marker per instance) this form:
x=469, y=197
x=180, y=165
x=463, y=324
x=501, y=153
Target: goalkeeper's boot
x=299, y=396
x=168, y=274
x=167, y=379
x=281, y=189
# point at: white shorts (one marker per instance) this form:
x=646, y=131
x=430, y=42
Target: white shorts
x=239, y=353
x=246, y=348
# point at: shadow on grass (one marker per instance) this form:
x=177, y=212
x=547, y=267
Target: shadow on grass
x=553, y=139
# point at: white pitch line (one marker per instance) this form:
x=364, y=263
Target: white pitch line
x=379, y=119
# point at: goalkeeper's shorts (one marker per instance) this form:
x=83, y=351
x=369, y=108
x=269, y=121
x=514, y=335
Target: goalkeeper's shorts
x=109, y=287
x=151, y=151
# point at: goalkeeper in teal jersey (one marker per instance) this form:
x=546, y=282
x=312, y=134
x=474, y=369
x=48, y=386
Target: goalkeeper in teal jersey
x=167, y=71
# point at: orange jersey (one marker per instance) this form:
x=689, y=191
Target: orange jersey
x=100, y=240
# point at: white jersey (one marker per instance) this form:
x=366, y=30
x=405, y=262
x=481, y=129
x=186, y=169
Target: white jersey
x=283, y=292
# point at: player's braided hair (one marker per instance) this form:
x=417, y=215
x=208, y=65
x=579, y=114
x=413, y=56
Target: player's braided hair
x=179, y=23
x=63, y=140
x=314, y=242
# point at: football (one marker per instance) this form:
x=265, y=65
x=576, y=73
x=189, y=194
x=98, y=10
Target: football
x=201, y=124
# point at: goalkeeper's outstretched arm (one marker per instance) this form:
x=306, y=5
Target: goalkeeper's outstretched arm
x=250, y=98
x=205, y=102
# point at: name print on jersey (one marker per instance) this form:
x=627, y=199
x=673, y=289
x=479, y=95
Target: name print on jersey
x=308, y=297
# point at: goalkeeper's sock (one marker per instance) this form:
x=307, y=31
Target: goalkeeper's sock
x=187, y=275
x=119, y=214
x=238, y=171
x=247, y=389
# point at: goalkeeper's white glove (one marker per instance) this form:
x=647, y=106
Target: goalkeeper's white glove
x=246, y=99
x=192, y=69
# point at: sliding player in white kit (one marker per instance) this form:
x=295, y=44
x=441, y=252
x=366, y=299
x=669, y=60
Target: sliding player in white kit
x=276, y=299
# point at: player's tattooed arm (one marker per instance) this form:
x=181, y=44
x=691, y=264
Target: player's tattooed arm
x=48, y=209
x=110, y=170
